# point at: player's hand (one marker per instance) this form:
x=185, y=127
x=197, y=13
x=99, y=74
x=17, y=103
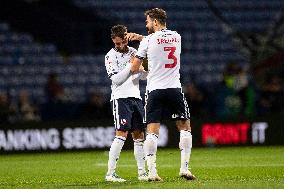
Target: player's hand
x=133, y=37
x=141, y=68
x=132, y=58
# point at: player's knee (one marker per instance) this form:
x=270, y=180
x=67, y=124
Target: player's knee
x=153, y=128
x=138, y=135
x=183, y=125
x=121, y=133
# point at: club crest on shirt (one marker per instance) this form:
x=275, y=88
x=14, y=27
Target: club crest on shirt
x=123, y=121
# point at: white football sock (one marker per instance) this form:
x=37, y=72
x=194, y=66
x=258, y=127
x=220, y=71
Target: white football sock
x=139, y=155
x=150, y=148
x=114, y=153
x=185, y=146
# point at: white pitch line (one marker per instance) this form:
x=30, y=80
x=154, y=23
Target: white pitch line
x=264, y=165
x=203, y=166
x=125, y=165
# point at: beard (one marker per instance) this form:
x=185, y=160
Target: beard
x=123, y=50
x=150, y=30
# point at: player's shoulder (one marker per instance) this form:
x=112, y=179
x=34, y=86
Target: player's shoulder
x=164, y=33
x=111, y=53
x=148, y=37
x=132, y=50
x=173, y=33
x=170, y=31
x=176, y=33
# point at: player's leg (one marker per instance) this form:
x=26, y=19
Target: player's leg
x=138, y=138
x=185, y=145
x=150, y=148
x=121, y=114
x=114, y=153
x=180, y=112
x=153, y=109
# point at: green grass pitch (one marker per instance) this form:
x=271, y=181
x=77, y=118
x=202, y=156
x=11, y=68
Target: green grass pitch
x=234, y=167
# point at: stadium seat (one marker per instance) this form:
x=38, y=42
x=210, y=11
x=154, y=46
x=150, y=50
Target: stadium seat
x=206, y=47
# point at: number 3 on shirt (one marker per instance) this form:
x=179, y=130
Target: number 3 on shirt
x=171, y=56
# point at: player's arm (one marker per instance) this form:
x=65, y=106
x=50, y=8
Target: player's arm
x=141, y=75
x=117, y=77
x=137, y=61
x=134, y=37
x=121, y=76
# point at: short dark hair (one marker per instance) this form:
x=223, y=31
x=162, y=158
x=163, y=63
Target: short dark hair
x=118, y=31
x=158, y=14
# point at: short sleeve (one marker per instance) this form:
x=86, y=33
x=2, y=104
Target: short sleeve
x=133, y=51
x=143, y=47
x=111, y=66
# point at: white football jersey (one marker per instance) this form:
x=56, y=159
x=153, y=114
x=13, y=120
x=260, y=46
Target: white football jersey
x=162, y=49
x=115, y=62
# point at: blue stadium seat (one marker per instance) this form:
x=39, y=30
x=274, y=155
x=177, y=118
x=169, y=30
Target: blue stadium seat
x=206, y=48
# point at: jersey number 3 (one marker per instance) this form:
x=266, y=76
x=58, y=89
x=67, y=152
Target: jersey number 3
x=171, y=56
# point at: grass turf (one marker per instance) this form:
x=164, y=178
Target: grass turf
x=235, y=167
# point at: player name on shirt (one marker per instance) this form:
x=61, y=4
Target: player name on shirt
x=167, y=40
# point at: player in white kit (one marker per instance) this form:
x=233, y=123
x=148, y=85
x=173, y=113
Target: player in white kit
x=126, y=103
x=162, y=47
